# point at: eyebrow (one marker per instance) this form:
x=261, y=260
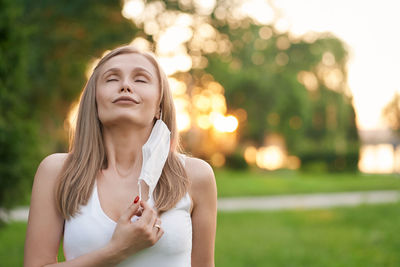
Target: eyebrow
x=137, y=69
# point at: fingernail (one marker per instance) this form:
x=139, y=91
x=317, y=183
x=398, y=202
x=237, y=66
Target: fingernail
x=136, y=200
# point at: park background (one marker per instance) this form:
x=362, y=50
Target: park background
x=280, y=97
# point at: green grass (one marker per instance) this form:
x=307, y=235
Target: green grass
x=358, y=236
x=256, y=183
x=12, y=240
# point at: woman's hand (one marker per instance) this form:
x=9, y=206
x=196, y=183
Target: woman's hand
x=130, y=237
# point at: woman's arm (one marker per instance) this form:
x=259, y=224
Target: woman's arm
x=45, y=226
x=204, y=213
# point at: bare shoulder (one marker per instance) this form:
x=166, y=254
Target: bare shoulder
x=199, y=171
x=54, y=161
x=42, y=198
x=50, y=167
x=202, y=178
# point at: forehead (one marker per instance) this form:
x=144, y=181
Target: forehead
x=129, y=62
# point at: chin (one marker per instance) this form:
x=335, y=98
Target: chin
x=126, y=119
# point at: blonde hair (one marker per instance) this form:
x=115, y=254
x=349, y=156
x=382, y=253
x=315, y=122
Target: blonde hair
x=87, y=155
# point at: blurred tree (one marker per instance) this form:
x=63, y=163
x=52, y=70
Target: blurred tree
x=392, y=113
x=18, y=134
x=64, y=37
x=291, y=87
x=296, y=87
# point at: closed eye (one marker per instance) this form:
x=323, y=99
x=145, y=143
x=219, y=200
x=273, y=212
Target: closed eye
x=141, y=78
x=112, y=80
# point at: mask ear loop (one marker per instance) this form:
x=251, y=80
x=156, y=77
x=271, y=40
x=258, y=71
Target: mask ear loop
x=140, y=189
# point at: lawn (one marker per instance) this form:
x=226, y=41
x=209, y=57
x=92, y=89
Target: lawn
x=12, y=238
x=257, y=183
x=355, y=236
x=358, y=236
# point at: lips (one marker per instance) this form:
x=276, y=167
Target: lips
x=126, y=98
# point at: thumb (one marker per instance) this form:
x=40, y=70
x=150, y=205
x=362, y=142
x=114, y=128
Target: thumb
x=131, y=210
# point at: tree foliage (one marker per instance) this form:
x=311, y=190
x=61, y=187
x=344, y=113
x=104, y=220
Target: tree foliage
x=17, y=132
x=64, y=37
x=291, y=87
x=392, y=113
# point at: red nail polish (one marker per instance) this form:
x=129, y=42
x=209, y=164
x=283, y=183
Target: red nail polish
x=136, y=200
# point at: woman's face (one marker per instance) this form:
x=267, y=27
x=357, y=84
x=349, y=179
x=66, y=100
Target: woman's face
x=127, y=91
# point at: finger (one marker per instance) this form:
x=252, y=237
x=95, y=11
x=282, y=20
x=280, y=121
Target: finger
x=148, y=214
x=159, y=234
x=157, y=226
x=130, y=211
x=157, y=223
x=139, y=212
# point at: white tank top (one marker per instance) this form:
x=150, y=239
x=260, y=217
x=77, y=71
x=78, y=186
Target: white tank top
x=92, y=229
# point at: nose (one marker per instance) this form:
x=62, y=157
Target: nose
x=125, y=88
x=126, y=85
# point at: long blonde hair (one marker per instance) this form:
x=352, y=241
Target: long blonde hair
x=87, y=153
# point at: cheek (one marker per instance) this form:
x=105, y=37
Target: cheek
x=151, y=98
x=101, y=104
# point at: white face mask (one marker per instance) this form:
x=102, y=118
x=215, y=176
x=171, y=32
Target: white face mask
x=155, y=152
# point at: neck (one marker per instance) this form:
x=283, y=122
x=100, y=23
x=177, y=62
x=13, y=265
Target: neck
x=123, y=144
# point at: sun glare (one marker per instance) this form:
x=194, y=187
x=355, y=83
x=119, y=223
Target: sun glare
x=377, y=159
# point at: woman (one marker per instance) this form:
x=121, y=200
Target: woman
x=90, y=196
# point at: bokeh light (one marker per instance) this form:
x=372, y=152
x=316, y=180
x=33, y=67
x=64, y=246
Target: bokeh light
x=376, y=158
x=224, y=123
x=218, y=159
x=132, y=8
x=270, y=157
x=250, y=154
x=180, y=42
